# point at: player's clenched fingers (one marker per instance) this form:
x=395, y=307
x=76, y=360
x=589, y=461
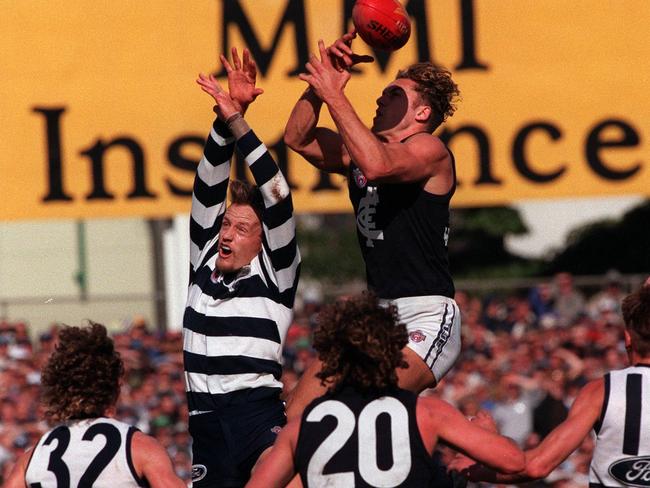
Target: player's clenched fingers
x=335, y=51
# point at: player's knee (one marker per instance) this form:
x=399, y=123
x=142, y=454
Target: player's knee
x=417, y=376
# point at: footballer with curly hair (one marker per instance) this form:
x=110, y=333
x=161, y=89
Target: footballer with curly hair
x=366, y=431
x=80, y=386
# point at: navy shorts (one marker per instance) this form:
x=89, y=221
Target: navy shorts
x=227, y=443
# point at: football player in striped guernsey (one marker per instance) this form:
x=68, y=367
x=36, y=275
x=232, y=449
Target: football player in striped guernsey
x=617, y=409
x=80, y=385
x=243, y=278
x=366, y=431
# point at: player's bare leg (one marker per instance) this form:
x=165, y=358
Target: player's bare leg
x=417, y=376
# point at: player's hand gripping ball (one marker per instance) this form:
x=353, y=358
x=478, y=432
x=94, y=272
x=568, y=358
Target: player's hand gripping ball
x=382, y=24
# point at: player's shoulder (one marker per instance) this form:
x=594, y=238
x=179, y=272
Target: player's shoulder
x=594, y=387
x=143, y=442
x=428, y=145
x=592, y=393
x=423, y=138
x=432, y=409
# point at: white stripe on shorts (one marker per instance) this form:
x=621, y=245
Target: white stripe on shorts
x=433, y=324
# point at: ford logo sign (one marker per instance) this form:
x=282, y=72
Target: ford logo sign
x=632, y=471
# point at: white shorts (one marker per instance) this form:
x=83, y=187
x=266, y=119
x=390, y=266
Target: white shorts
x=433, y=325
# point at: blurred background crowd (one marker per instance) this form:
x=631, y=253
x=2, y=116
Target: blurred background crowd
x=525, y=355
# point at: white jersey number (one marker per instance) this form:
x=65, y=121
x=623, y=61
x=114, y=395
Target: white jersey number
x=367, y=435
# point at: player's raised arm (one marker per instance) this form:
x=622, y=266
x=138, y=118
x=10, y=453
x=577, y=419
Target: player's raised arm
x=277, y=218
x=321, y=146
x=281, y=255
x=211, y=181
x=379, y=161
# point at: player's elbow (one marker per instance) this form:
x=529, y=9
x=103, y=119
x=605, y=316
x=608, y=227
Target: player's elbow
x=378, y=170
x=293, y=140
x=537, y=469
x=373, y=175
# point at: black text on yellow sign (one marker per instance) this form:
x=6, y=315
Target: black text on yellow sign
x=515, y=134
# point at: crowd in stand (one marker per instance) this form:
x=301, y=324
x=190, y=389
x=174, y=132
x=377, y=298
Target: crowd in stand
x=525, y=355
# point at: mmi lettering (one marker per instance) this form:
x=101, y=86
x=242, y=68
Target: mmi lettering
x=295, y=16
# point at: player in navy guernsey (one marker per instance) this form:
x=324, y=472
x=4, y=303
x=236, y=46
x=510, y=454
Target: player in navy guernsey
x=243, y=279
x=365, y=431
x=401, y=179
x=617, y=409
x=80, y=385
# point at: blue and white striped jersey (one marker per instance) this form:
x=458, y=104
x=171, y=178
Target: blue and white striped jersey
x=233, y=331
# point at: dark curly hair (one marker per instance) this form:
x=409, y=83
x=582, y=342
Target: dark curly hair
x=81, y=378
x=636, y=314
x=436, y=88
x=360, y=344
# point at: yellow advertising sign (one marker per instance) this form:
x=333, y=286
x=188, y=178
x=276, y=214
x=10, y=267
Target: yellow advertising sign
x=101, y=117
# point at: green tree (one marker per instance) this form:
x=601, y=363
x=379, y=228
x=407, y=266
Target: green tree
x=330, y=252
x=477, y=243
x=622, y=244
x=329, y=249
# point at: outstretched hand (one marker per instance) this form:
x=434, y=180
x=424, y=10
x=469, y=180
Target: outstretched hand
x=225, y=105
x=326, y=79
x=341, y=51
x=242, y=75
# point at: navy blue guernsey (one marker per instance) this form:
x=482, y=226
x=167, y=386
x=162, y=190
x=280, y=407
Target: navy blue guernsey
x=403, y=232
x=362, y=440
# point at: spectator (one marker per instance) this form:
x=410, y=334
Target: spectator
x=607, y=302
x=569, y=302
x=513, y=412
x=558, y=360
